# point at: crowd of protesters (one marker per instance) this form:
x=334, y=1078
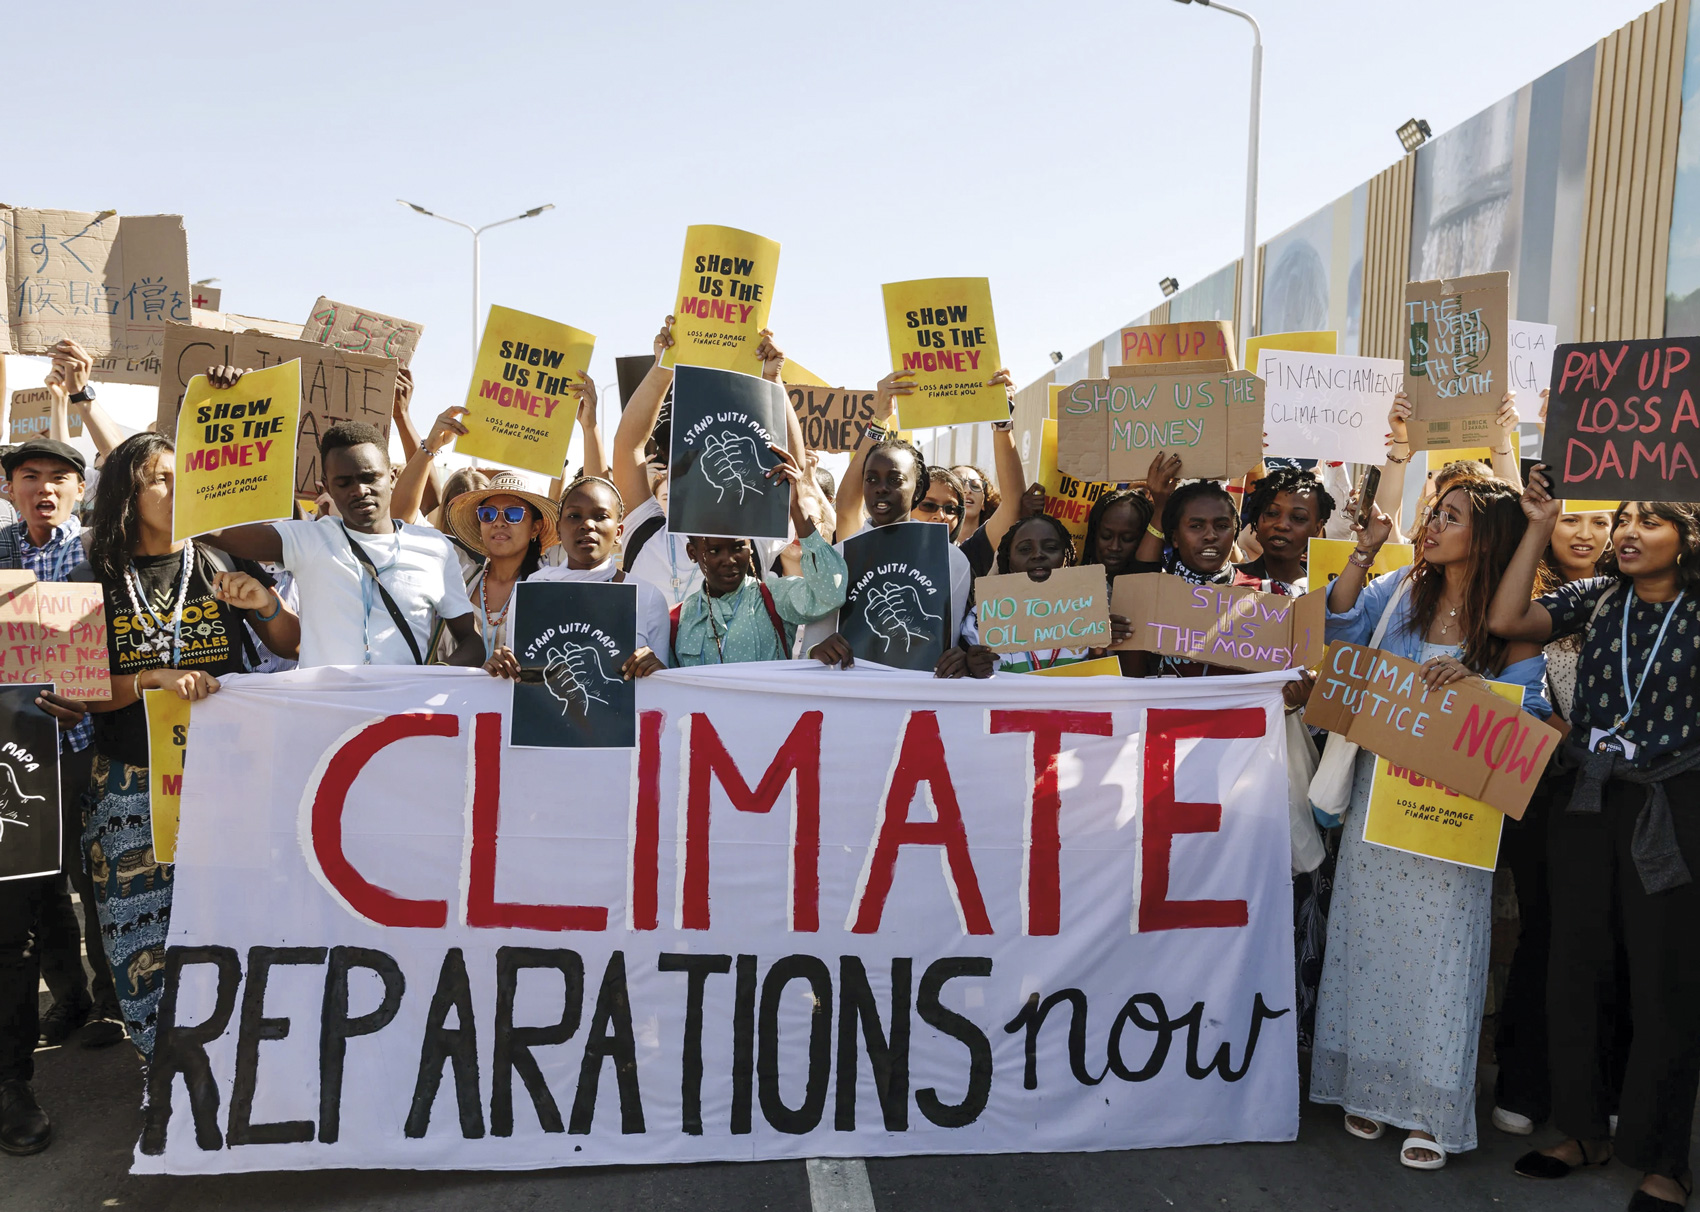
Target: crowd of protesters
x=1599, y=1027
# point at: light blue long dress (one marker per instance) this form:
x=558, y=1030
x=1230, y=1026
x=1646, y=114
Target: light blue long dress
x=1405, y=974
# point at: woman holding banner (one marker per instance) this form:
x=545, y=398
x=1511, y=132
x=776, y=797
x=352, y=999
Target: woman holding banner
x=1405, y=975
x=1622, y=853
x=175, y=613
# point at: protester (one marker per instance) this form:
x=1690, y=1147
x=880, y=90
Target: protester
x=589, y=527
x=510, y=527
x=944, y=500
x=1621, y=860
x=1286, y=510
x=167, y=629
x=737, y=616
x=1115, y=526
x=1391, y=495
x=980, y=496
x=1038, y=546
x=1405, y=976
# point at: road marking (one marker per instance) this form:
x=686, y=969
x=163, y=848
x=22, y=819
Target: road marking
x=839, y=1184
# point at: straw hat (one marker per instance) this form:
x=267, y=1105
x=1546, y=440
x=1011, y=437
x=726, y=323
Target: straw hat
x=463, y=510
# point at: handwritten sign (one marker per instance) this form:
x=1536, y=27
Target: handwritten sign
x=1327, y=406
x=942, y=330
x=832, y=417
x=1327, y=558
x=519, y=411
x=1622, y=421
x=1230, y=625
x=1070, y=608
x=55, y=631
x=168, y=737
x=1530, y=367
x=1457, y=354
x=1067, y=499
x=32, y=415
x=336, y=384
x=361, y=330
x=235, y=462
x=1191, y=341
x=110, y=283
x=1109, y=430
x=725, y=291
x=1463, y=736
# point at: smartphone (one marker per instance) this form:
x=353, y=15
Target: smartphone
x=1367, y=488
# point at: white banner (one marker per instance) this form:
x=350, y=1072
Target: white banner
x=1328, y=406
x=814, y=913
x=1530, y=365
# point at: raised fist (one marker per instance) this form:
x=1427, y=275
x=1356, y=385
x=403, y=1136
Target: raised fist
x=574, y=675
x=732, y=462
x=894, y=612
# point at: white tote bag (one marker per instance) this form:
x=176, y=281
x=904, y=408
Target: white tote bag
x=1308, y=850
x=1331, y=786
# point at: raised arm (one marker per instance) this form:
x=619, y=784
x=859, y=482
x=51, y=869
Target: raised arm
x=1390, y=497
x=72, y=363
x=1506, y=464
x=848, y=506
x=1011, y=478
x=407, y=498
x=432, y=491
x=627, y=465
x=1513, y=615
x=58, y=411
x=1160, y=481
x=1343, y=593
x=256, y=541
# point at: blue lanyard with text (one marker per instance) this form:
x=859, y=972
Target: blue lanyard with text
x=1658, y=643
x=366, y=584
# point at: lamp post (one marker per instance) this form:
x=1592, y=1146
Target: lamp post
x=1248, y=271
x=476, y=233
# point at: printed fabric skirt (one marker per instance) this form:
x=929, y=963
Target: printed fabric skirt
x=132, y=892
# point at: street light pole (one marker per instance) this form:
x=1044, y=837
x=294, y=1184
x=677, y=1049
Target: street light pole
x=1248, y=267
x=477, y=233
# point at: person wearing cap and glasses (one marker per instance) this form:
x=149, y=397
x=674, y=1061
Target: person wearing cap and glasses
x=510, y=527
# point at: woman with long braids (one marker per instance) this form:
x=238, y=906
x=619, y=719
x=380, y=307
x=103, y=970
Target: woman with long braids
x=1405, y=976
x=174, y=621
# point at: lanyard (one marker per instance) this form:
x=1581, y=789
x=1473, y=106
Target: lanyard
x=366, y=584
x=1658, y=642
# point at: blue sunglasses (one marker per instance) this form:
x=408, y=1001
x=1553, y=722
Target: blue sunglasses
x=514, y=514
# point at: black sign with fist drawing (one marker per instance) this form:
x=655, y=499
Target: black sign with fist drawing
x=29, y=785
x=571, y=639
x=897, y=606
x=717, y=482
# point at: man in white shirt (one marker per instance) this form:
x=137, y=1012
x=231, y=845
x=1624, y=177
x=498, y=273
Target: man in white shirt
x=357, y=575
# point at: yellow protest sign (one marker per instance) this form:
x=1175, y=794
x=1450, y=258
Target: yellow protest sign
x=518, y=409
x=236, y=451
x=1292, y=342
x=1067, y=499
x=795, y=374
x=1419, y=816
x=1096, y=667
x=168, y=734
x=1591, y=506
x=725, y=290
x=942, y=330
x=1327, y=559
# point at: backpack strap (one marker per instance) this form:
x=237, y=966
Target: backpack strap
x=396, y=616
x=673, y=634
x=640, y=536
x=773, y=616
x=1600, y=602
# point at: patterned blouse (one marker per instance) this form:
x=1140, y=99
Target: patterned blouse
x=1664, y=718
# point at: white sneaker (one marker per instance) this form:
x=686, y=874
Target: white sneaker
x=1511, y=1122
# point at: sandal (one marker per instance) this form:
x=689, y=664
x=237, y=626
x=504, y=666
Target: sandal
x=1536, y=1164
x=1641, y=1201
x=1419, y=1144
x=1358, y=1132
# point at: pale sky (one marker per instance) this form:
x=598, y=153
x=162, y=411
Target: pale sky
x=1072, y=153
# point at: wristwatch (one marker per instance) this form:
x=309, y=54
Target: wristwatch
x=83, y=396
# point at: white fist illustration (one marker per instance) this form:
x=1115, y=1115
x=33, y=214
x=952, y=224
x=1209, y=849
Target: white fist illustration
x=894, y=612
x=12, y=799
x=731, y=461
x=574, y=675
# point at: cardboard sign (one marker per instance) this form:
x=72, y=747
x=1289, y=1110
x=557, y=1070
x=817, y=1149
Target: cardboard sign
x=942, y=330
x=168, y=736
x=204, y=297
x=1190, y=341
x=723, y=424
x=55, y=631
x=725, y=290
x=32, y=416
x=336, y=385
x=832, y=417
x=1325, y=406
x=897, y=607
x=1067, y=499
x=1110, y=429
x=1463, y=736
x=111, y=284
x=629, y=373
x=235, y=462
x=1622, y=420
x=571, y=639
x=1228, y=625
x=1068, y=609
x=30, y=841
x=1457, y=355
x=518, y=410
x=1530, y=369
x=361, y=330
x=1292, y=342
x=1327, y=558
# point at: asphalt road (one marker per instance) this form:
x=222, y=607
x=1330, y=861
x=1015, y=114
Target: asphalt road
x=94, y=1099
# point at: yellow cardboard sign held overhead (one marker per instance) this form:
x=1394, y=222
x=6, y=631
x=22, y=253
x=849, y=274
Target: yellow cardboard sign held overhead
x=168, y=733
x=518, y=409
x=236, y=451
x=725, y=291
x=1292, y=342
x=941, y=329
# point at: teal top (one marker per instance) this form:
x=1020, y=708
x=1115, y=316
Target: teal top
x=736, y=627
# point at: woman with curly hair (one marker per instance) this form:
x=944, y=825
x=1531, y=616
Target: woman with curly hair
x=1285, y=511
x=1038, y=546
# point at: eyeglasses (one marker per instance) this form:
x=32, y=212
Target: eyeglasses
x=513, y=514
x=952, y=511
x=973, y=485
x=1438, y=521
